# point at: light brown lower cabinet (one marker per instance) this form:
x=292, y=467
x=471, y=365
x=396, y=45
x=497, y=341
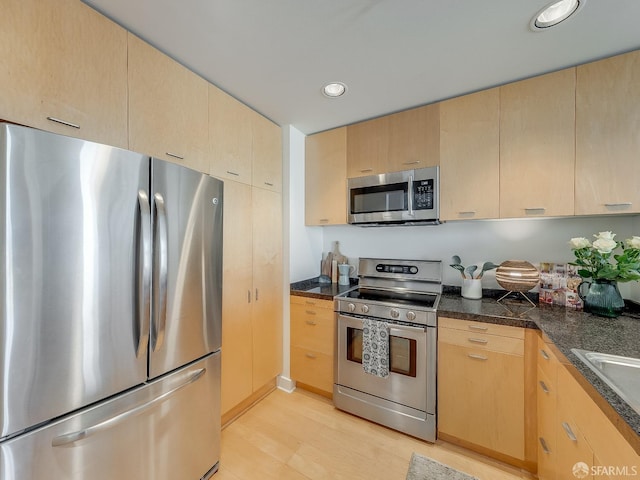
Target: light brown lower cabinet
x=575, y=436
x=483, y=393
x=312, y=344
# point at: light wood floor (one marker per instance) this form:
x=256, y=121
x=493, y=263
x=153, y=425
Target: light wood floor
x=302, y=436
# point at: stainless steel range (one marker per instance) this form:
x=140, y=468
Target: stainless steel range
x=385, y=364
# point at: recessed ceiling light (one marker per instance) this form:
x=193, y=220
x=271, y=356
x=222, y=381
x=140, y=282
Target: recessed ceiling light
x=334, y=89
x=555, y=13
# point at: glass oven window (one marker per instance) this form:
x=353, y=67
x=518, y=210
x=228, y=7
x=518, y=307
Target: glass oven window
x=402, y=352
x=380, y=198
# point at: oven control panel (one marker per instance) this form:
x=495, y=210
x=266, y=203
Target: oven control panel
x=405, y=269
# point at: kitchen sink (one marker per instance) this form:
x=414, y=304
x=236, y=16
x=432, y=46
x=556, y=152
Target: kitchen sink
x=622, y=374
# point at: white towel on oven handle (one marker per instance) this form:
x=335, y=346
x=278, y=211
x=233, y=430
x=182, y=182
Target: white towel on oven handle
x=375, y=347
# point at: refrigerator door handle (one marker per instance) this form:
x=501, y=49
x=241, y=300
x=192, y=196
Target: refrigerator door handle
x=160, y=286
x=144, y=283
x=68, y=439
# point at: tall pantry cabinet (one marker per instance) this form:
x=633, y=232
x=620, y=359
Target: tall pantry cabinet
x=246, y=152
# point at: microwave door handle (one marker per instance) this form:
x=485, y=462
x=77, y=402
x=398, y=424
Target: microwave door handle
x=410, y=203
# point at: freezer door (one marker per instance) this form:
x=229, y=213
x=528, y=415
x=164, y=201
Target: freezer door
x=71, y=316
x=187, y=279
x=167, y=430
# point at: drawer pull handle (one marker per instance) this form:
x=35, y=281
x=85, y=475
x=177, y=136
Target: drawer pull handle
x=621, y=204
x=248, y=296
x=308, y=302
x=366, y=170
x=175, y=155
x=310, y=355
x=544, y=388
x=311, y=322
x=544, y=354
x=479, y=328
x=543, y=444
x=534, y=209
x=63, y=122
x=415, y=162
x=309, y=312
x=324, y=220
x=268, y=184
x=478, y=340
x=477, y=357
x=235, y=174
x=467, y=212
x=569, y=432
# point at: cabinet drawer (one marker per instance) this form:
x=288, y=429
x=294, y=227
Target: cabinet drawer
x=312, y=328
x=312, y=368
x=547, y=361
x=481, y=327
x=311, y=302
x=481, y=341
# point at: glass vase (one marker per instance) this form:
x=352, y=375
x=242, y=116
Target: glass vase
x=602, y=298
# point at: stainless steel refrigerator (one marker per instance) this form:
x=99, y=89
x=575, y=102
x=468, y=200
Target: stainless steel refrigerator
x=110, y=331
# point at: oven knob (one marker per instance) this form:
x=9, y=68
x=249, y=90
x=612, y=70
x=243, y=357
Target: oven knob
x=351, y=307
x=365, y=308
x=394, y=313
x=411, y=316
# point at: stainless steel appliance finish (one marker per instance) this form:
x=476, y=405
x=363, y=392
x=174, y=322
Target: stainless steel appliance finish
x=408, y=197
x=109, y=279
x=404, y=294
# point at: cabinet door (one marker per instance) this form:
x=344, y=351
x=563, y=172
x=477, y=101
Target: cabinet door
x=229, y=137
x=470, y=156
x=237, y=337
x=267, y=282
x=325, y=178
x=168, y=114
x=607, y=140
x=266, y=153
x=63, y=61
x=571, y=446
x=481, y=398
x=414, y=139
x=537, y=146
x=546, y=403
x=367, y=147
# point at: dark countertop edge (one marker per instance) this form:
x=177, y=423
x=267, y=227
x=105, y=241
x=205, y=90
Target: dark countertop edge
x=624, y=418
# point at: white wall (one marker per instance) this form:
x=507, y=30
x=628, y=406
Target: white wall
x=305, y=242
x=534, y=240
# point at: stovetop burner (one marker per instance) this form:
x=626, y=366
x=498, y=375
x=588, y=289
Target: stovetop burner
x=397, y=297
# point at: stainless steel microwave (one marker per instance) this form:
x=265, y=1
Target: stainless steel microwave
x=411, y=196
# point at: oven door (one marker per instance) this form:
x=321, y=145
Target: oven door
x=412, y=364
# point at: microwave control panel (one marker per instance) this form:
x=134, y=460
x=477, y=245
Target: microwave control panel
x=423, y=194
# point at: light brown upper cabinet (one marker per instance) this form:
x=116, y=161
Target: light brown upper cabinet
x=414, y=139
x=266, y=153
x=367, y=147
x=168, y=113
x=64, y=70
x=244, y=146
x=325, y=178
x=470, y=156
x=229, y=137
x=537, y=146
x=607, y=139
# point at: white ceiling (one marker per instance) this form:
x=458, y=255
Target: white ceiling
x=275, y=55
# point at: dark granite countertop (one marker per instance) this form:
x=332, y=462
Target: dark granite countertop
x=566, y=328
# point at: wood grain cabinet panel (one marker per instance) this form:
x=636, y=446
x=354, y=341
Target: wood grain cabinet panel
x=367, y=147
x=325, y=178
x=312, y=344
x=252, y=294
x=230, y=137
x=63, y=60
x=470, y=156
x=607, y=140
x=414, y=139
x=266, y=153
x=537, y=146
x=168, y=114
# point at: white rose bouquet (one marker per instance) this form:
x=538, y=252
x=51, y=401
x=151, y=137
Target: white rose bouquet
x=594, y=260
